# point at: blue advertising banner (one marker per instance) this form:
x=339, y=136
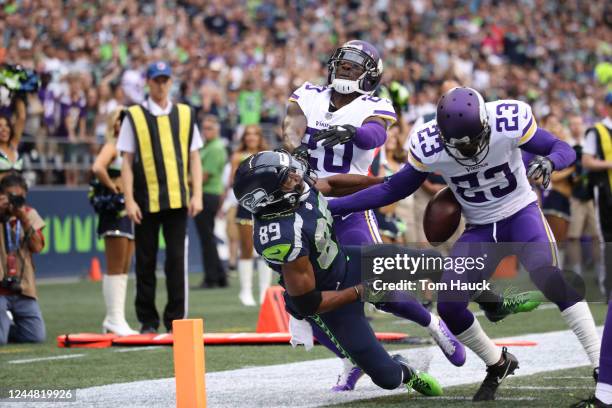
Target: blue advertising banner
x=71, y=241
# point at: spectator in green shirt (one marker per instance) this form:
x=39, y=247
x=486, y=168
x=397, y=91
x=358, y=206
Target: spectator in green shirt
x=214, y=158
x=250, y=100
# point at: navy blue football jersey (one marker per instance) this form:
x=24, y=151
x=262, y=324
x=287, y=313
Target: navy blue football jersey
x=306, y=232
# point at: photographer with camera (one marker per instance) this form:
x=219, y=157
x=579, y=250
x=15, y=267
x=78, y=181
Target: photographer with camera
x=21, y=237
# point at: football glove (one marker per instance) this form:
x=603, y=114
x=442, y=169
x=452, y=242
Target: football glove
x=369, y=293
x=337, y=134
x=301, y=153
x=540, y=167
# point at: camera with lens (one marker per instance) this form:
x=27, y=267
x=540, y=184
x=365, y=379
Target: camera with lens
x=16, y=201
x=11, y=283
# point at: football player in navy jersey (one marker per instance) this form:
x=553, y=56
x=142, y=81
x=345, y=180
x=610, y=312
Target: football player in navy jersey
x=293, y=231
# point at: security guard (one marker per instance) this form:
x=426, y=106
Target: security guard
x=160, y=145
x=597, y=158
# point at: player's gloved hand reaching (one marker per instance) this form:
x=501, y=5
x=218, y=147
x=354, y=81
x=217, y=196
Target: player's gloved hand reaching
x=301, y=153
x=368, y=293
x=337, y=134
x=540, y=167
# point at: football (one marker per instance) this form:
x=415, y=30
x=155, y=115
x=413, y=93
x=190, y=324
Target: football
x=442, y=217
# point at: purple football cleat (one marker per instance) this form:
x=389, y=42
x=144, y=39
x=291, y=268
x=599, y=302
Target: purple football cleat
x=348, y=379
x=451, y=347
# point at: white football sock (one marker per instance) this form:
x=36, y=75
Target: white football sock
x=477, y=340
x=603, y=392
x=245, y=273
x=578, y=269
x=578, y=317
x=346, y=364
x=265, y=277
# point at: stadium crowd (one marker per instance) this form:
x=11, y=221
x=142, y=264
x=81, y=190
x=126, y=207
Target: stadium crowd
x=240, y=60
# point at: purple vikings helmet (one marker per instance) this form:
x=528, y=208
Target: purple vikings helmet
x=362, y=55
x=464, y=125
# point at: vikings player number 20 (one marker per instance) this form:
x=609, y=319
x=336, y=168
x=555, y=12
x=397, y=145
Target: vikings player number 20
x=328, y=159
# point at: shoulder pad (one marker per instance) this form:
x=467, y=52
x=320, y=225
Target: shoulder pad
x=425, y=146
x=512, y=119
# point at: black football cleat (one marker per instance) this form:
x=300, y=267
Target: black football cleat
x=495, y=375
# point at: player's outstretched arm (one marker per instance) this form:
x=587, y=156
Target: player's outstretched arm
x=294, y=127
x=370, y=135
x=398, y=186
x=299, y=281
x=554, y=153
x=340, y=185
x=543, y=143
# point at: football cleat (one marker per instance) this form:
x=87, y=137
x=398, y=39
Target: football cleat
x=419, y=381
x=519, y=303
x=591, y=402
x=348, y=379
x=495, y=375
x=448, y=343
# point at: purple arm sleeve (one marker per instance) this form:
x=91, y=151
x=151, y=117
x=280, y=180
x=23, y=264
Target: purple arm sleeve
x=370, y=135
x=543, y=143
x=400, y=185
x=527, y=158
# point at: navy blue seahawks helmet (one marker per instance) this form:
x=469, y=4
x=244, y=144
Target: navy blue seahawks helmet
x=464, y=125
x=362, y=54
x=258, y=182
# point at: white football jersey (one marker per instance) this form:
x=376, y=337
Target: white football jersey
x=346, y=158
x=495, y=188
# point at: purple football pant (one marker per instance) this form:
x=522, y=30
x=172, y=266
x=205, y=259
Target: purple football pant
x=359, y=228
x=533, y=243
x=605, y=357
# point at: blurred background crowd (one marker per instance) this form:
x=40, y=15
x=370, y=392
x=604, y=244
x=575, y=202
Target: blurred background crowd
x=239, y=60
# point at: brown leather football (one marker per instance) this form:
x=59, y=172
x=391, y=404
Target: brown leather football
x=442, y=217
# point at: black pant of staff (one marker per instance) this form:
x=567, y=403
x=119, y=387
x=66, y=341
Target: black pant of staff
x=214, y=273
x=174, y=226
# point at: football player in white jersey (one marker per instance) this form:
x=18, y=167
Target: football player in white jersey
x=344, y=110
x=352, y=123
x=476, y=147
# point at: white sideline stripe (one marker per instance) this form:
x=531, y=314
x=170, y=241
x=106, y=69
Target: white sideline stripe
x=34, y=360
x=545, y=387
x=584, y=377
x=470, y=398
x=144, y=348
x=308, y=383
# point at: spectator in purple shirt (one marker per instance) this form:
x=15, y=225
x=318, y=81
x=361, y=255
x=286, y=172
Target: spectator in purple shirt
x=71, y=127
